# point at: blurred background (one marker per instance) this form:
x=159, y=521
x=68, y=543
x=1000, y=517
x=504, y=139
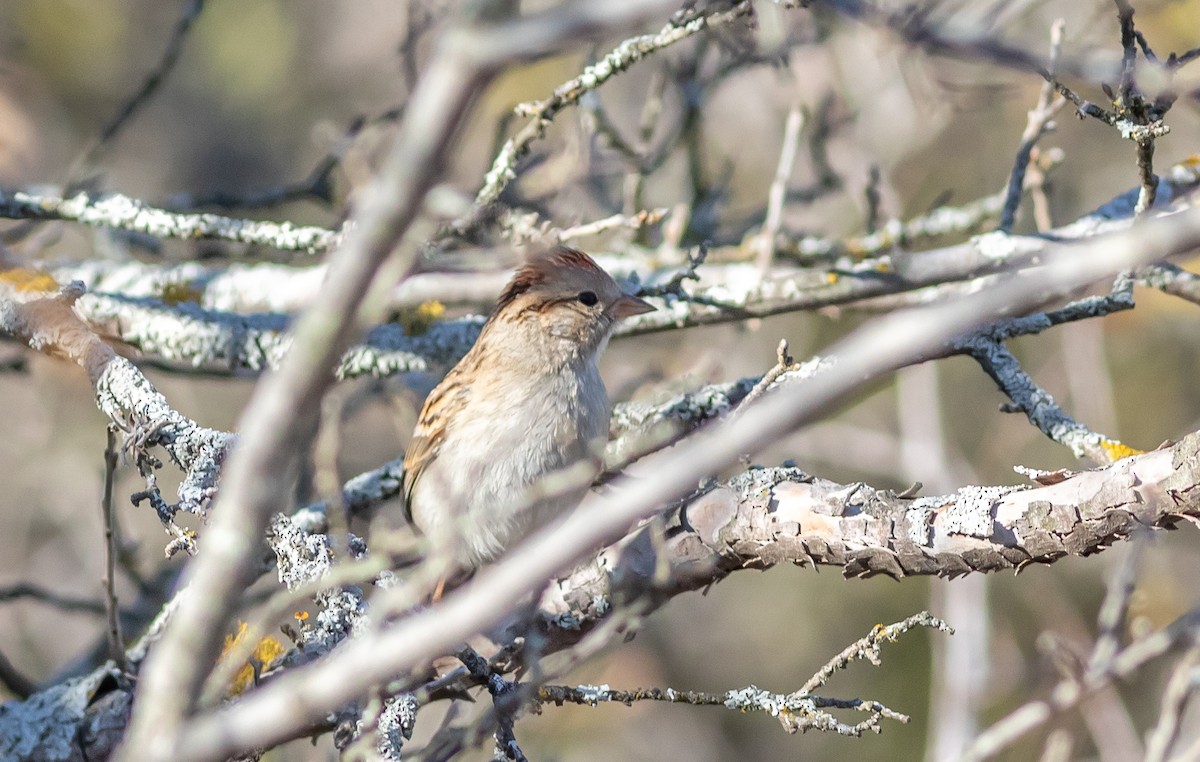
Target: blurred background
x=263, y=91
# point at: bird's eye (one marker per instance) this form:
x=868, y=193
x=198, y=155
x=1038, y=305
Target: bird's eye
x=588, y=298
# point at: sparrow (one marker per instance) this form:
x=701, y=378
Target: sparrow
x=524, y=404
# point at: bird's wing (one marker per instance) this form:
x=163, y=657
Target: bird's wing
x=430, y=431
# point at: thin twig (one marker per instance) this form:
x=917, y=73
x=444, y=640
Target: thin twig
x=783, y=363
x=795, y=712
x=542, y=112
x=1070, y=692
x=1113, y=610
x=149, y=86
x=868, y=647
x=987, y=347
x=116, y=644
x=502, y=692
x=637, y=221
x=1038, y=123
x=799, y=710
x=1174, y=702
x=874, y=201
x=777, y=194
x=674, y=286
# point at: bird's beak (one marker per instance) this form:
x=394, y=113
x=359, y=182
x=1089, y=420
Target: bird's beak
x=628, y=306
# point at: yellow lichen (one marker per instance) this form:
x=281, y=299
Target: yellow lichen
x=180, y=293
x=266, y=651
x=29, y=279
x=1116, y=450
x=417, y=320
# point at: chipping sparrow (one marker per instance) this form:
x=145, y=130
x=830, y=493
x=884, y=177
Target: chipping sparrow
x=525, y=402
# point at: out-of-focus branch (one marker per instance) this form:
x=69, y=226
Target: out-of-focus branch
x=952, y=37
x=619, y=59
x=317, y=184
x=1037, y=124
x=750, y=296
x=149, y=86
x=227, y=342
x=1070, y=692
x=296, y=699
x=270, y=287
x=38, y=594
x=1171, y=279
x=218, y=340
x=116, y=643
x=777, y=193
x=283, y=411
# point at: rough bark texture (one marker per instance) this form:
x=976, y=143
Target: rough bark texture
x=770, y=516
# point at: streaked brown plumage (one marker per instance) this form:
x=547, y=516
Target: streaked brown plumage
x=525, y=402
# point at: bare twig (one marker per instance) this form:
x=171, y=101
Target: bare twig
x=116, y=644
x=149, y=86
x=674, y=286
x=868, y=647
x=1178, y=692
x=1038, y=124
x=777, y=194
x=637, y=221
x=1069, y=693
x=783, y=363
x=505, y=702
x=896, y=233
x=46, y=597
x=619, y=59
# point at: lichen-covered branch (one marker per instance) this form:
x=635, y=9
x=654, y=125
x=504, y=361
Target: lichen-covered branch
x=987, y=347
x=796, y=711
x=125, y=213
x=46, y=321
x=1171, y=279
x=770, y=516
x=217, y=339
x=228, y=342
